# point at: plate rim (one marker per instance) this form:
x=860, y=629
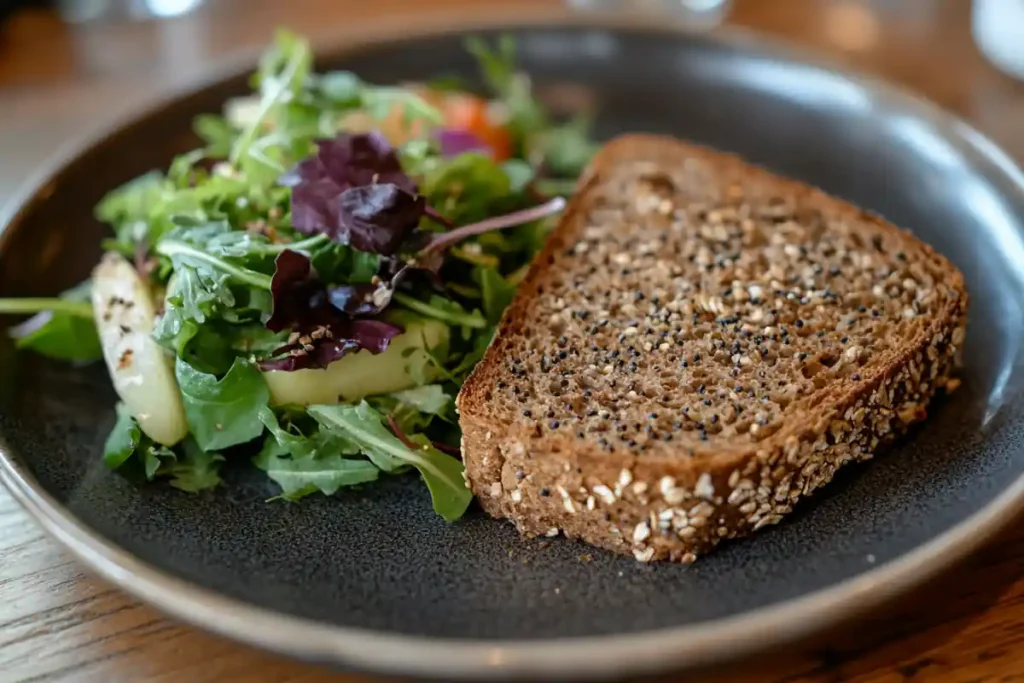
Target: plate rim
x=677, y=648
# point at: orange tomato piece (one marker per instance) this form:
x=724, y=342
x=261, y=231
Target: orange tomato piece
x=470, y=113
x=461, y=111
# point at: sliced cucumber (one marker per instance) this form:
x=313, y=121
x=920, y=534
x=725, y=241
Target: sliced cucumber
x=140, y=369
x=364, y=374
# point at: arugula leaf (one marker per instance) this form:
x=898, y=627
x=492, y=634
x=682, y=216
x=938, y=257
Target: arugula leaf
x=301, y=476
x=155, y=459
x=343, y=88
x=468, y=360
x=496, y=293
x=253, y=339
x=440, y=308
x=520, y=174
x=128, y=207
x=414, y=409
x=206, y=287
x=196, y=293
x=197, y=471
x=141, y=210
x=468, y=188
x=381, y=101
x=211, y=266
x=298, y=445
x=282, y=71
x=498, y=65
x=225, y=412
x=429, y=398
x=216, y=132
x=443, y=474
x=124, y=438
x=568, y=148
x=63, y=328
x=513, y=89
x=445, y=477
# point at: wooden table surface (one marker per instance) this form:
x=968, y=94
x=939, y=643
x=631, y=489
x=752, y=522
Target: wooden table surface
x=57, y=623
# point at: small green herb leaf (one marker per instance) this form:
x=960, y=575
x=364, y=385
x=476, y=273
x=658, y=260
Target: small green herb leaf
x=126, y=439
x=440, y=308
x=414, y=409
x=225, y=412
x=519, y=173
x=364, y=426
x=496, y=293
x=156, y=459
x=568, y=148
x=468, y=188
x=216, y=132
x=429, y=398
x=444, y=476
x=283, y=70
x=197, y=471
x=123, y=440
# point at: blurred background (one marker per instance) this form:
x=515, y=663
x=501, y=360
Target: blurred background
x=66, y=66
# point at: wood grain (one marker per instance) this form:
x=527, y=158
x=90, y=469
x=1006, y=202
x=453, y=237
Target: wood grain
x=57, y=623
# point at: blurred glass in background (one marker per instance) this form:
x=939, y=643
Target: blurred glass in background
x=698, y=13
x=81, y=11
x=998, y=27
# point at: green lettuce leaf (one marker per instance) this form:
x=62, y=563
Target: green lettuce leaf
x=223, y=412
x=124, y=438
x=193, y=471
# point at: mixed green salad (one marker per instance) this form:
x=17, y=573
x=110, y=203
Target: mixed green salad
x=311, y=287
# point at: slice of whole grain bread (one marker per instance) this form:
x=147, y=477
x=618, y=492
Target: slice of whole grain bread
x=700, y=344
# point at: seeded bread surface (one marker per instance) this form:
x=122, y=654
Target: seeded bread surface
x=700, y=344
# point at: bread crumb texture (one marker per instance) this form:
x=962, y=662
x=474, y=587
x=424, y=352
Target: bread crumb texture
x=700, y=344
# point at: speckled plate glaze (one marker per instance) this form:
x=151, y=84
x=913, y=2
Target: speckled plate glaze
x=372, y=579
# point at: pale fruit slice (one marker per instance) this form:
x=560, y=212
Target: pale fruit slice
x=363, y=373
x=140, y=368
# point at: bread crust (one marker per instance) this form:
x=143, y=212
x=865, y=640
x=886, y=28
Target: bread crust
x=677, y=506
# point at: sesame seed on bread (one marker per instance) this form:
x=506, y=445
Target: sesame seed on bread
x=700, y=344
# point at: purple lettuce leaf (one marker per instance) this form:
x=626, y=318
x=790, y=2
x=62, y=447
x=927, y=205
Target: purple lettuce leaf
x=326, y=344
x=454, y=141
x=354, y=190
x=297, y=292
x=351, y=160
x=377, y=218
x=321, y=333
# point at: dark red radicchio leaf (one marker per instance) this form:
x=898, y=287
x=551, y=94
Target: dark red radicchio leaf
x=318, y=350
x=377, y=218
x=297, y=292
x=321, y=334
x=354, y=190
x=454, y=142
x=351, y=160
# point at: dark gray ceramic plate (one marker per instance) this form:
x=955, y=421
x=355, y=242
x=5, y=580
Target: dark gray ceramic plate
x=372, y=579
